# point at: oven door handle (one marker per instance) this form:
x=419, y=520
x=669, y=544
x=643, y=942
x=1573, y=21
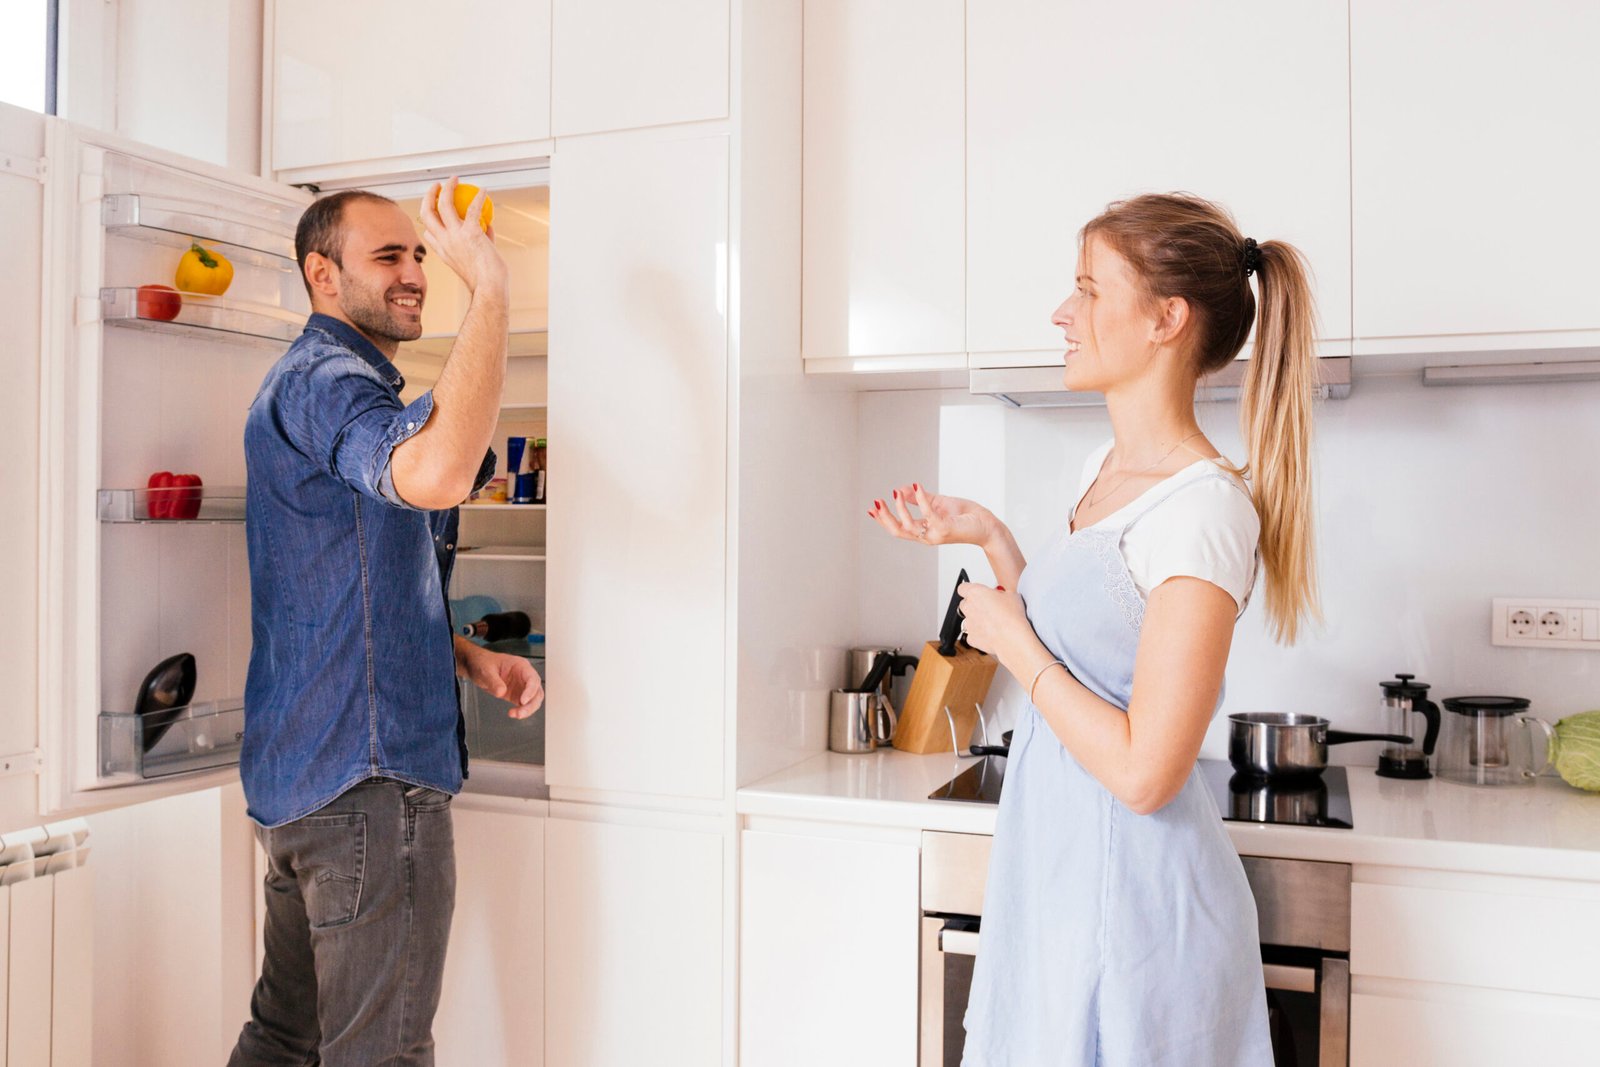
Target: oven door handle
x=1290, y=979
x=958, y=942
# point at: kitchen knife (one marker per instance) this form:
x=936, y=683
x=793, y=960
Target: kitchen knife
x=952, y=618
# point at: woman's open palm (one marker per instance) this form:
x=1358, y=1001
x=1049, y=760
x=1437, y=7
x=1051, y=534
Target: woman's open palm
x=940, y=520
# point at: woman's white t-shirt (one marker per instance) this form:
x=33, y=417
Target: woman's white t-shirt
x=1208, y=530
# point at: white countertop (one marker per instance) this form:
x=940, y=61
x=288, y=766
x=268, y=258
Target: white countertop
x=1547, y=831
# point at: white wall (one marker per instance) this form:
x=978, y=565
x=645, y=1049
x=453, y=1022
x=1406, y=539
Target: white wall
x=1430, y=502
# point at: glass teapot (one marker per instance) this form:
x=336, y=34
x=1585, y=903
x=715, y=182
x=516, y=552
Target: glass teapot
x=1407, y=710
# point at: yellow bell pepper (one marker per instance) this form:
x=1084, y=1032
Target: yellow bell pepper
x=203, y=270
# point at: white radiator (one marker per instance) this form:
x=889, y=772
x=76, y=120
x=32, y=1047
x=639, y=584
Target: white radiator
x=46, y=927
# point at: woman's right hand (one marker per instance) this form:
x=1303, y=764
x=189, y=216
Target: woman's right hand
x=943, y=520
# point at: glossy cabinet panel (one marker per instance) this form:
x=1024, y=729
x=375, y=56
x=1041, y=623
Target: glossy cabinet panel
x=1073, y=105
x=883, y=179
x=1422, y=1024
x=492, y=1009
x=1474, y=159
x=634, y=945
x=638, y=381
x=354, y=82
x=621, y=64
x=828, y=951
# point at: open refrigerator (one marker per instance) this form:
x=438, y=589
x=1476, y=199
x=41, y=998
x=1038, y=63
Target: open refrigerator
x=128, y=389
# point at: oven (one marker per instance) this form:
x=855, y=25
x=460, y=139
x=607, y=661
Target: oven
x=1304, y=912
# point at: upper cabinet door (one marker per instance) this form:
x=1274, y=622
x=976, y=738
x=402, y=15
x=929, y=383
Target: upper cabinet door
x=883, y=182
x=359, y=82
x=639, y=450
x=621, y=64
x=1475, y=156
x=1073, y=104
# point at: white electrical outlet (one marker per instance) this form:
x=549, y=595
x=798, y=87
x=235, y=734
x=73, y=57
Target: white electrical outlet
x=1546, y=622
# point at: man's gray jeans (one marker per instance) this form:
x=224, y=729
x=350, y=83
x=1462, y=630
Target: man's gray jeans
x=359, y=898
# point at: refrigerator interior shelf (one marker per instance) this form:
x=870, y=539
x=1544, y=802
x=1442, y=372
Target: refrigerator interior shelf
x=520, y=343
x=158, y=744
x=517, y=553
x=505, y=508
x=522, y=409
x=120, y=307
x=217, y=504
x=178, y=222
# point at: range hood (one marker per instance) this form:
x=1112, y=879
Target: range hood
x=1040, y=387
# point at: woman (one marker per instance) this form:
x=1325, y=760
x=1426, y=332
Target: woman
x=1118, y=926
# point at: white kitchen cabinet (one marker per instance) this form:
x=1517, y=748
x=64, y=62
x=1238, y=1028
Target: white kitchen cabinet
x=492, y=1010
x=623, y=64
x=638, y=433
x=1072, y=105
x=355, y=83
x=1468, y=969
x=633, y=945
x=1474, y=157
x=828, y=951
x=1495, y=933
x=883, y=186
x=1444, y=1026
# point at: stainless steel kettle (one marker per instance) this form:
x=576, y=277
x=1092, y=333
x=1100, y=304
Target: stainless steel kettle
x=858, y=672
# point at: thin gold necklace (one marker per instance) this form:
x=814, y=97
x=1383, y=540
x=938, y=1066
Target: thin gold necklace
x=1095, y=500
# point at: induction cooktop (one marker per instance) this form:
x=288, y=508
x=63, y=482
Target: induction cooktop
x=1316, y=800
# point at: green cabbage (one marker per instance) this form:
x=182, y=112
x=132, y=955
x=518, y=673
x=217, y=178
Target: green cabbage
x=1575, y=750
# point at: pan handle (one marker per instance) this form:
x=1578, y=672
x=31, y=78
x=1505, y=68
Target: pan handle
x=1340, y=737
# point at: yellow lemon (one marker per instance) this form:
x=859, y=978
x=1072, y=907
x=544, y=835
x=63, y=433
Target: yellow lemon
x=464, y=195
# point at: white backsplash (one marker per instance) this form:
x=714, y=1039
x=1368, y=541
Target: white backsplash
x=1429, y=502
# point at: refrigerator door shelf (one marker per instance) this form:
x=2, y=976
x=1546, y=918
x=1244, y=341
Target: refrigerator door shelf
x=179, y=222
x=120, y=307
x=218, y=505
x=192, y=738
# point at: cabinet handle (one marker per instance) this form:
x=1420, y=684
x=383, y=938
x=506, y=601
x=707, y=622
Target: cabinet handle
x=1290, y=979
x=959, y=942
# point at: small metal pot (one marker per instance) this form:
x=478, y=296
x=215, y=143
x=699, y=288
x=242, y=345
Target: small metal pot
x=1281, y=744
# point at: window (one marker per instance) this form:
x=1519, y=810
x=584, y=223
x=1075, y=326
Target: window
x=28, y=55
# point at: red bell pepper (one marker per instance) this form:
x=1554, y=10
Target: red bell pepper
x=174, y=496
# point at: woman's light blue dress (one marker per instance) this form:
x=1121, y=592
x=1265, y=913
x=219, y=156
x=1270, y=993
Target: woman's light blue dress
x=1108, y=938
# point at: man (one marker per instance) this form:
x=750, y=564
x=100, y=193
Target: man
x=353, y=736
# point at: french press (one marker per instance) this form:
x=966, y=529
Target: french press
x=1405, y=709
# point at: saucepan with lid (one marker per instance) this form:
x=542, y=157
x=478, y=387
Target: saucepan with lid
x=1282, y=744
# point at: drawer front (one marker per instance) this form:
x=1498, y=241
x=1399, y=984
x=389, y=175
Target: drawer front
x=955, y=868
x=1535, y=943
x=1301, y=902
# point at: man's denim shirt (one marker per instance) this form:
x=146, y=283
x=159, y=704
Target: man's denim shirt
x=352, y=671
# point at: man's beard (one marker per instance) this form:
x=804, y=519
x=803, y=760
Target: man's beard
x=375, y=316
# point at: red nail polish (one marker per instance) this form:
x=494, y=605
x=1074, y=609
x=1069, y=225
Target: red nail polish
x=1001, y=588
x=878, y=502
x=917, y=486
x=872, y=514
x=897, y=494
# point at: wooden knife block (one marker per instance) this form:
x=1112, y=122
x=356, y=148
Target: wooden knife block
x=959, y=682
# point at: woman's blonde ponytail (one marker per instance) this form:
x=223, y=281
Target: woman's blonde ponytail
x=1275, y=419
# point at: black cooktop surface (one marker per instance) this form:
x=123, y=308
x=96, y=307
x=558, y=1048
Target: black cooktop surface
x=1310, y=800
x=979, y=783
x=1318, y=800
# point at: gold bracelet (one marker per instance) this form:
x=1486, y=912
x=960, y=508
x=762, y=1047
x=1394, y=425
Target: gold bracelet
x=1036, y=677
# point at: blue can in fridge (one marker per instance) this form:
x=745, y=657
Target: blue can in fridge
x=515, y=448
x=522, y=485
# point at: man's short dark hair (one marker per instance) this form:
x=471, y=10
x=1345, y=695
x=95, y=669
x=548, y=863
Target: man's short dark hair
x=321, y=228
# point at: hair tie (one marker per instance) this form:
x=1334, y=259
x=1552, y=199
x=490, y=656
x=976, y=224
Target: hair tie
x=1252, y=257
